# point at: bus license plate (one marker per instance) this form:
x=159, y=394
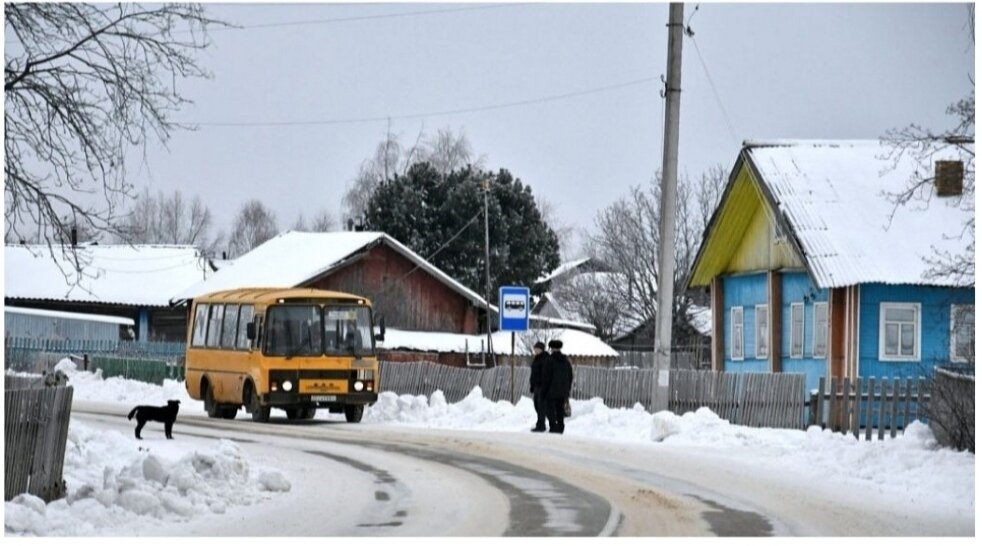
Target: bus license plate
x=323, y=398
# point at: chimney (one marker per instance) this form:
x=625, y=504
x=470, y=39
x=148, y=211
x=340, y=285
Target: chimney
x=948, y=178
x=74, y=236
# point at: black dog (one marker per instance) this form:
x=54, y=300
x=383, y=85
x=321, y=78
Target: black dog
x=163, y=414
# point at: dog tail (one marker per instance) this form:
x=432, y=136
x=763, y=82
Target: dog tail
x=132, y=413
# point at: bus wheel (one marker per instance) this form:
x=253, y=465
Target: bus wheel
x=308, y=413
x=353, y=413
x=260, y=413
x=211, y=408
x=294, y=413
x=229, y=411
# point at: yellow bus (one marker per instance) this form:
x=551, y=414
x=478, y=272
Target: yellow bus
x=296, y=349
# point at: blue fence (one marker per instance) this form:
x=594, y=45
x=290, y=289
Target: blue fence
x=28, y=354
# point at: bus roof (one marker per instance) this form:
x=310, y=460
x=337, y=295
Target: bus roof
x=272, y=295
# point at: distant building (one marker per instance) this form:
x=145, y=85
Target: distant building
x=405, y=289
x=813, y=269
x=42, y=324
x=134, y=282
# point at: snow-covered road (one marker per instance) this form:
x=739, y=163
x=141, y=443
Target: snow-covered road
x=384, y=480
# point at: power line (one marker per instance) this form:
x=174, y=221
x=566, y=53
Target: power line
x=499, y=106
x=712, y=84
x=332, y=20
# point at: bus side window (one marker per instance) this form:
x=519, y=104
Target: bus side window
x=200, y=325
x=245, y=317
x=215, y=326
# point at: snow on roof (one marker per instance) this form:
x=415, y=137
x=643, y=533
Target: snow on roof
x=575, y=342
x=835, y=196
x=563, y=268
x=294, y=257
x=67, y=315
x=559, y=323
x=701, y=318
x=140, y=275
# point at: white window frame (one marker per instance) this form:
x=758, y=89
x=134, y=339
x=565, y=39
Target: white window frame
x=734, y=342
x=767, y=319
x=916, y=357
x=800, y=329
x=952, y=331
x=815, y=336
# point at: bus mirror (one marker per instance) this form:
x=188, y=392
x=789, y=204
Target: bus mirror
x=251, y=330
x=380, y=336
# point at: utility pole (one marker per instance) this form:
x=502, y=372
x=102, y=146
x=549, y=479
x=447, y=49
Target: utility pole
x=486, y=186
x=669, y=183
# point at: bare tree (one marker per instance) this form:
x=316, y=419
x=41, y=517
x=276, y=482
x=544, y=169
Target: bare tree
x=921, y=145
x=82, y=83
x=323, y=222
x=565, y=231
x=626, y=239
x=170, y=219
x=254, y=225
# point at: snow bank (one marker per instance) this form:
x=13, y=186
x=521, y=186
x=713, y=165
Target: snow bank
x=118, y=485
x=910, y=468
x=92, y=387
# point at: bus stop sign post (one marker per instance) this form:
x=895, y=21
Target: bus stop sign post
x=513, y=316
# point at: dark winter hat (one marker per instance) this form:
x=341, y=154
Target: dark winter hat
x=539, y=345
x=555, y=344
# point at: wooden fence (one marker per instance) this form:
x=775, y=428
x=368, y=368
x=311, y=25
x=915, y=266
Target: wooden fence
x=35, y=434
x=139, y=369
x=862, y=406
x=38, y=355
x=772, y=400
x=752, y=399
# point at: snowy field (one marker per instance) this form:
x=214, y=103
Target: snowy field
x=117, y=484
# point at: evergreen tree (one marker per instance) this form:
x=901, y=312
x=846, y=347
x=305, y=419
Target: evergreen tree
x=424, y=208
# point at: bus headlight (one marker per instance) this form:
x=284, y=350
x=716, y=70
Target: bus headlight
x=359, y=386
x=287, y=386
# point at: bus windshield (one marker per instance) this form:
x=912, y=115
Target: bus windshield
x=310, y=330
x=347, y=330
x=294, y=330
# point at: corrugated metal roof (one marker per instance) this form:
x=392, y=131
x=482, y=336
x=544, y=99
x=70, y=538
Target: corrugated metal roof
x=836, y=198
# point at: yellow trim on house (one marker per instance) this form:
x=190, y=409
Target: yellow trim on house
x=742, y=237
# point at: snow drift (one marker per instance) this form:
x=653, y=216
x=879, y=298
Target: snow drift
x=123, y=486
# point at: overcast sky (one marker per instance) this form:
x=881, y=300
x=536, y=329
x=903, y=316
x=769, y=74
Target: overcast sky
x=781, y=71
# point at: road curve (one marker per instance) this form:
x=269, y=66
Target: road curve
x=416, y=482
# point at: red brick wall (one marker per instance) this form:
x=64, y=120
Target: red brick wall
x=417, y=302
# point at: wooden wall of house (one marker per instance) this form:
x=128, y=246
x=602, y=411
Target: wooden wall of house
x=417, y=302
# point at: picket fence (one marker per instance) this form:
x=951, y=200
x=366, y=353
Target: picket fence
x=771, y=400
x=867, y=406
x=35, y=434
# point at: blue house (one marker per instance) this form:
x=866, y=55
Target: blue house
x=816, y=264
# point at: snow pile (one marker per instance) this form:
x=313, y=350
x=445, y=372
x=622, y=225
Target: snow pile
x=115, y=482
x=92, y=387
x=909, y=468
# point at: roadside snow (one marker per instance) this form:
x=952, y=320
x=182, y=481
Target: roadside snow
x=117, y=485
x=92, y=387
x=910, y=469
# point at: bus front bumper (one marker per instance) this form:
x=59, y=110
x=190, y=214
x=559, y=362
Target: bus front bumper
x=281, y=398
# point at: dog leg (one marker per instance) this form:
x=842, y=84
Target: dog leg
x=139, y=427
x=168, y=426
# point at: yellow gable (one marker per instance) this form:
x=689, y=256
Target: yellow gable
x=742, y=237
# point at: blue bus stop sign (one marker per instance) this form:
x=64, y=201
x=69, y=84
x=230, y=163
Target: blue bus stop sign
x=513, y=308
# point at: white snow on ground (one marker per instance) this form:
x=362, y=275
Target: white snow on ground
x=908, y=468
x=118, y=485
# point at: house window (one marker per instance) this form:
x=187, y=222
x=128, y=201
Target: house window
x=963, y=333
x=820, y=341
x=200, y=325
x=797, y=330
x=736, y=333
x=761, y=329
x=900, y=331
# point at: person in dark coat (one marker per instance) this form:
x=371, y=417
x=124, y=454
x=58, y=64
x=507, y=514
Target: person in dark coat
x=536, y=387
x=557, y=381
